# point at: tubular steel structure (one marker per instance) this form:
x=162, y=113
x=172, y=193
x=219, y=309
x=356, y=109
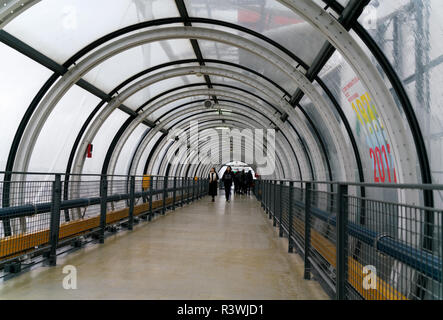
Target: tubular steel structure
x=352, y=89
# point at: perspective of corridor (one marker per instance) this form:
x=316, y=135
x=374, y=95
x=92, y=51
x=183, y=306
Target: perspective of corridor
x=221, y=150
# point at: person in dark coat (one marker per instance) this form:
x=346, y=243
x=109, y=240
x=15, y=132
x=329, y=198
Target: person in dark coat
x=213, y=178
x=236, y=182
x=242, y=182
x=227, y=179
x=249, y=179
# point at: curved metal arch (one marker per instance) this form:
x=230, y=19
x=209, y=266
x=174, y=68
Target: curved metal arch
x=192, y=160
x=156, y=166
x=177, y=62
x=211, y=91
x=206, y=112
x=25, y=120
x=316, y=133
x=279, y=167
x=181, y=71
x=420, y=153
x=185, y=32
x=239, y=119
x=111, y=36
x=366, y=71
x=112, y=146
x=95, y=126
x=182, y=95
x=11, y=9
x=315, y=130
x=211, y=125
x=195, y=168
x=139, y=147
x=231, y=125
x=399, y=89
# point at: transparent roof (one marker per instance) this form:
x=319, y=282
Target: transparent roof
x=406, y=32
x=60, y=28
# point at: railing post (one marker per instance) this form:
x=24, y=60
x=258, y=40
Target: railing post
x=261, y=190
x=55, y=218
x=269, y=198
x=188, y=191
x=263, y=194
x=280, y=209
x=103, y=206
x=174, y=194
x=274, y=198
x=131, y=202
x=182, y=190
x=165, y=187
x=290, y=218
x=308, y=189
x=259, y=195
x=202, y=188
x=151, y=186
x=342, y=254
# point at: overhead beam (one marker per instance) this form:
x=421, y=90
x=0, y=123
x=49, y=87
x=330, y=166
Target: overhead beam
x=347, y=19
x=184, y=14
x=58, y=69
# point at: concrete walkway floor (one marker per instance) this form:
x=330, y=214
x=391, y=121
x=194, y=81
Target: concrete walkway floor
x=205, y=250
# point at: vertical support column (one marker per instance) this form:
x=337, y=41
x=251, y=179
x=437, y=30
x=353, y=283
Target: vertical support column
x=165, y=193
x=193, y=189
x=290, y=218
x=131, y=202
x=308, y=190
x=174, y=194
x=151, y=186
x=342, y=254
x=103, y=206
x=55, y=218
x=280, y=210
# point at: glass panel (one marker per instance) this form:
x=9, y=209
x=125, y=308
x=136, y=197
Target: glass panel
x=102, y=141
x=267, y=17
x=155, y=115
x=110, y=73
x=220, y=51
x=368, y=129
x=54, y=144
x=146, y=152
x=409, y=33
x=237, y=84
x=128, y=150
x=246, y=73
x=59, y=28
x=20, y=80
x=141, y=97
x=322, y=127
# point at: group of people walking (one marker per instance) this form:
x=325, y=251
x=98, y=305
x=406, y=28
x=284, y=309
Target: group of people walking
x=242, y=182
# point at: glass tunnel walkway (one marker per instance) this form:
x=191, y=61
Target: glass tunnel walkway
x=112, y=116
